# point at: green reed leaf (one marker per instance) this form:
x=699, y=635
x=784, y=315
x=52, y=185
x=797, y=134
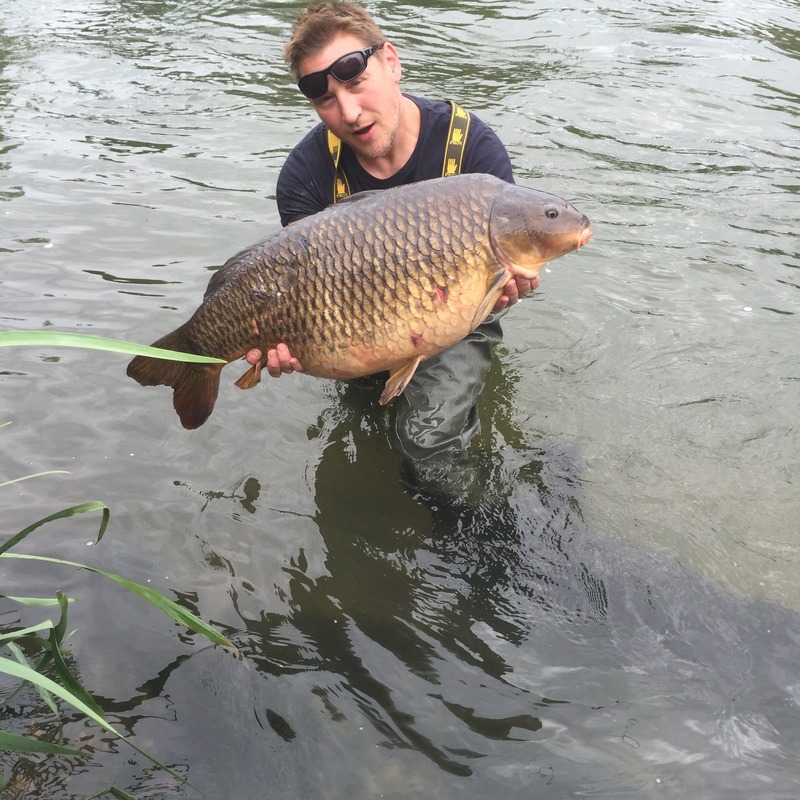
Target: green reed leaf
x=35, y=475
x=43, y=693
x=25, y=673
x=169, y=607
x=36, y=601
x=41, y=682
x=62, y=339
x=42, y=626
x=11, y=742
x=68, y=680
x=60, y=629
x=82, y=508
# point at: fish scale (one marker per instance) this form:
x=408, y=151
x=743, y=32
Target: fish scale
x=378, y=282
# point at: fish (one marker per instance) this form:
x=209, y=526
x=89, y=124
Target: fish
x=377, y=282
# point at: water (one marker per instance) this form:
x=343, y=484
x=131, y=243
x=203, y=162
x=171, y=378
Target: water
x=619, y=616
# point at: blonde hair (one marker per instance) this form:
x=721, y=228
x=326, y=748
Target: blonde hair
x=320, y=23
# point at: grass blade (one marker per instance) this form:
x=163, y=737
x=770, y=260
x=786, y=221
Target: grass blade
x=25, y=673
x=68, y=680
x=42, y=626
x=39, y=602
x=169, y=607
x=43, y=693
x=12, y=743
x=60, y=630
x=35, y=475
x=61, y=339
x=83, y=508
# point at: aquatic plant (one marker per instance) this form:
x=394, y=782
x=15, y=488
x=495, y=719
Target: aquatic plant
x=31, y=654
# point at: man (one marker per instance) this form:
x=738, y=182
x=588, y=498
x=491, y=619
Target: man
x=351, y=75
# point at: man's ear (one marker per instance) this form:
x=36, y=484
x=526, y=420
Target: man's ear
x=393, y=59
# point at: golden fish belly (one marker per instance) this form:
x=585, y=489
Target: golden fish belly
x=414, y=328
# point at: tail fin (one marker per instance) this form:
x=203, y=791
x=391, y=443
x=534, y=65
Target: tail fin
x=195, y=385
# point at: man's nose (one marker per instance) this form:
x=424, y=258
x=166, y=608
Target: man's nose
x=349, y=107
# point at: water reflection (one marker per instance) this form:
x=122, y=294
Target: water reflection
x=784, y=38
x=462, y=629
x=417, y=582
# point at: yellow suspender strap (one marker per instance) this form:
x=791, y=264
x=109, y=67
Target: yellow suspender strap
x=341, y=188
x=453, y=153
x=456, y=140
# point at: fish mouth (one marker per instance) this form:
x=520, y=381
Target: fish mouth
x=584, y=235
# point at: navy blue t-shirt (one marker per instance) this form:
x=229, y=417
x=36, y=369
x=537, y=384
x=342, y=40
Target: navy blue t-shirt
x=305, y=183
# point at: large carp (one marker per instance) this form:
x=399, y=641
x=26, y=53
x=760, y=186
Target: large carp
x=377, y=282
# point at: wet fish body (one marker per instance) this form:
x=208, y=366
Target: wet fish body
x=377, y=282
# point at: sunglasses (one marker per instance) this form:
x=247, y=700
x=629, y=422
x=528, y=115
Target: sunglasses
x=344, y=69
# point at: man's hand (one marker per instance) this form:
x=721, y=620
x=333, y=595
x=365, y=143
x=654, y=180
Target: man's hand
x=517, y=288
x=278, y=361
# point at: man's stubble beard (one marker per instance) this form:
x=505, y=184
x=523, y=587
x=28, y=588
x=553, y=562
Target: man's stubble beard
x=381, y=151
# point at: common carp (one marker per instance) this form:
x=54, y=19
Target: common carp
x=379, y=281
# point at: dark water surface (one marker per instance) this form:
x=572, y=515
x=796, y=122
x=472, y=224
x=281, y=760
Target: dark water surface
x=615, y=614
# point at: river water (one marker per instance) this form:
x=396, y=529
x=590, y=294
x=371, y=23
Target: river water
x=617, y=615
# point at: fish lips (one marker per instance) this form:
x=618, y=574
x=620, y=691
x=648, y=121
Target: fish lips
x=585, y=233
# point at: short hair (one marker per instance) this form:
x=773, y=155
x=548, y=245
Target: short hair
x=320, y=23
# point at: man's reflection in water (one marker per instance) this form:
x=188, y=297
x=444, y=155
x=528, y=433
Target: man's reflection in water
x=432, y=571
x=507, y=520
x=487, y=590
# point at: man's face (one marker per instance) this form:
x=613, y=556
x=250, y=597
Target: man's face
x=365, y=112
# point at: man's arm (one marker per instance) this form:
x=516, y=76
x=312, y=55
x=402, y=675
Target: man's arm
x=305, y=182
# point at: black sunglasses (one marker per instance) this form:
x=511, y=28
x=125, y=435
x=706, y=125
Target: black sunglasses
x=344, y=69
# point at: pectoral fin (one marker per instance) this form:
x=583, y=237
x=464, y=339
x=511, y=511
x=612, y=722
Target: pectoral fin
x=493, y=294
x=398, y=380
x=250, y=378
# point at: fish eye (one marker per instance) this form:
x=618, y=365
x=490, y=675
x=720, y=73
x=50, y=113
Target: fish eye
x=551, y=212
